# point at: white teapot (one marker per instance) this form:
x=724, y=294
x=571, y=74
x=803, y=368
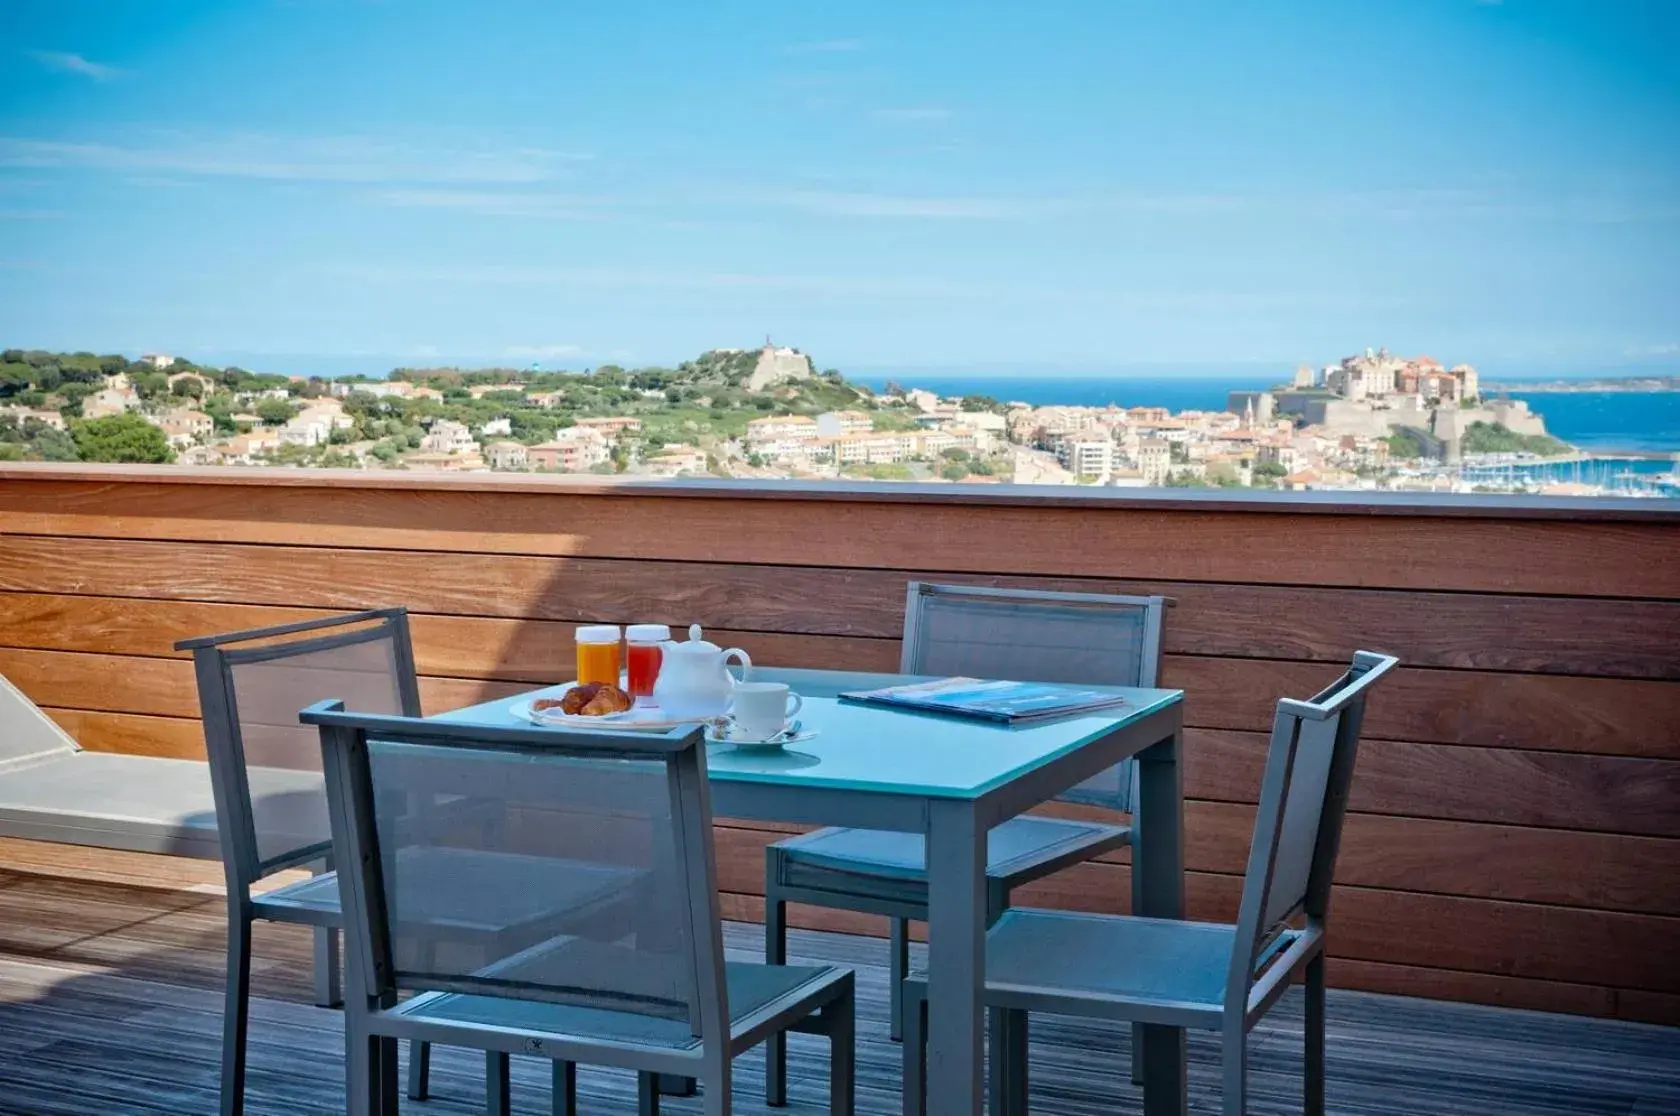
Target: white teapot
x=694, y=680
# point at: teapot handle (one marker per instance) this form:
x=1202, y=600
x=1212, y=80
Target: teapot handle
x=746, y=665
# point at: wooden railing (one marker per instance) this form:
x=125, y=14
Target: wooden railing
x=1515, y=827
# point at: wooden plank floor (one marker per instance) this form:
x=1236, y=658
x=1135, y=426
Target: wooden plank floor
x=110, y=1003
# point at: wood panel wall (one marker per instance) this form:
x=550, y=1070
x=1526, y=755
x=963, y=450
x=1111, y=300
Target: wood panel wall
x=1515, y=828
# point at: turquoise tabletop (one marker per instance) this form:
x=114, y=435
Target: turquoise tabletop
x=860, y=747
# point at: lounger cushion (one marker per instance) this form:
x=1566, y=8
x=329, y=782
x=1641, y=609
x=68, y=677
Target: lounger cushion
x=142, y=803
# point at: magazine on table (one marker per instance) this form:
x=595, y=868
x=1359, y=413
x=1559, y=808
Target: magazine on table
x=1005, y=702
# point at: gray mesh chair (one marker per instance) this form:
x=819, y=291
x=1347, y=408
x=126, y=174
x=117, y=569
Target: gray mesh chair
x=1211, y=976
x=635, y=979
x=956, y=630
x=270, y=799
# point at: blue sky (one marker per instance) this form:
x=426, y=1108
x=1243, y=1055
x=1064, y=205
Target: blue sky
x=324, y=185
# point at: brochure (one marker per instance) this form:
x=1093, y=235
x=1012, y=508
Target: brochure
x=1006, y=702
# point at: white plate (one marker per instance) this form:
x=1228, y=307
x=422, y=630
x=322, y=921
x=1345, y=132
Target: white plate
x=721, y=734
x=638, y=718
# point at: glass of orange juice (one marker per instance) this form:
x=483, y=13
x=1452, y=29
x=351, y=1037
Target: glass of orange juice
x=598, y=653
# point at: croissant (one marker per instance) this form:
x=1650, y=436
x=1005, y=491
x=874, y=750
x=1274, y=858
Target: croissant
x=593, y=699
x=607, y=699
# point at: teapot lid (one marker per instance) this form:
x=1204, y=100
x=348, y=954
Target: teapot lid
x=694, y=646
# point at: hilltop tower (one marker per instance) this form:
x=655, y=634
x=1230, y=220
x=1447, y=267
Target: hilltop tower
x=776, y=366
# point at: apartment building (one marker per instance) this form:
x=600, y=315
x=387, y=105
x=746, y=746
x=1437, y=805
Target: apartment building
x=447, y=436
x=506, y=455
x=1154, y=460
x=1086, y=457
x=837, y=424
x=24, y=414
x=779, y=428
x=611, y=426
x=876, y=449
x=676, y=460
x=573, y=450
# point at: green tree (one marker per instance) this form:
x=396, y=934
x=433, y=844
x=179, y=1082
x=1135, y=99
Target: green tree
x=151, y=385
x=274, y=411
x=954, y=453
x=955, y=471
x=1402, y=446
x=187, y=388
x=1494, y=437
x=125, y=438
x=895, y=421
x=45, y=443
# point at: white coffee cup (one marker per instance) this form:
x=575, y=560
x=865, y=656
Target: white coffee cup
x=762, y=709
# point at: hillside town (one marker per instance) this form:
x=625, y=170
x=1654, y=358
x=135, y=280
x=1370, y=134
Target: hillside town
x=1372, y=420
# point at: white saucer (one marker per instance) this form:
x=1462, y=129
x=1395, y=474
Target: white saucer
x=725, y=734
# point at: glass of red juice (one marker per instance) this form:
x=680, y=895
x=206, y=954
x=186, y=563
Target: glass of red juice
x=643, y=657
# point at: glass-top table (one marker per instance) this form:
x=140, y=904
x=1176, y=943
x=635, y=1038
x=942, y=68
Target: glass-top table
x=952, y=780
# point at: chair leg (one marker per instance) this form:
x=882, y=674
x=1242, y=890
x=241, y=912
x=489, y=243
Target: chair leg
x=915, y=1057
x=329, y=990
x=361, y=1075
x=718, y=1093
x=1234, y=1055
x=419, y=1069
x=898, y=967
x=498, y=1090
x=236, y=1009
x=997, y=1061
x=840, y=1021
x=1007, y=1061
x=386, y=1081
x=1010, y=1099
x=1137, y=905
x=1314, y=1077
x=565, y=1089
x=775, y=953
x=647, y=1094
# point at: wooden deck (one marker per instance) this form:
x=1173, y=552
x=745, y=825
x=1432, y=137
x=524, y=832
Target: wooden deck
x=110, y=1003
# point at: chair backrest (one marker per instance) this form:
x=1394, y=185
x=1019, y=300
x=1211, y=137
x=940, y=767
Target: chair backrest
x=265, y=766
x=586, y=858
x=1027, y=635
x=1303, y=798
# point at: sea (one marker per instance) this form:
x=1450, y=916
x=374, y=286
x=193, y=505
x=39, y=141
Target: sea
x=1604, y=423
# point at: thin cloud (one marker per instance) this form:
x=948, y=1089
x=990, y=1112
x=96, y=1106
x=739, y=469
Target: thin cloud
x=885, y=205
x=489, y=203
x=279, y=158
x=826, y=46
x=913, y=114
x=66, y=62
x=879, y=287
x=542, y=352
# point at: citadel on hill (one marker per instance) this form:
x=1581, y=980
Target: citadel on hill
x=1376, y=394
